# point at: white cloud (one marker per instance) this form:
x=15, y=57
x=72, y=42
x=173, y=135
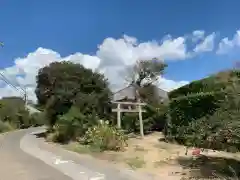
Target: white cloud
x=206, y=45
x=169, y=85
x=125, y=51
x=111, y=58
x=226, y=44
x=198, y=35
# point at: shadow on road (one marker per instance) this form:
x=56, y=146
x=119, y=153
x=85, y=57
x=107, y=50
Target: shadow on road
x=41, y=135
x=211, y=167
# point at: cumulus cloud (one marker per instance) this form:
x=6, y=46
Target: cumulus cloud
x=126, y=50
x=226, y=44
x=198, y=35
x=206, y=45
x=111, y=58
x=169, y=85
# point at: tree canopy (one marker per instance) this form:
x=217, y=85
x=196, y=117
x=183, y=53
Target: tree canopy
x=13, y=111
x=143, y=74
x=145, y=70
x=63, y=84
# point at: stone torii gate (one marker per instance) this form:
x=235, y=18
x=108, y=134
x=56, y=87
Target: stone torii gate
x=127, y=102
x=125, y=99
x=137, y=109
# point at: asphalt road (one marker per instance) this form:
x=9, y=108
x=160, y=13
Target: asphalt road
x=22, y=158
x=20, y=165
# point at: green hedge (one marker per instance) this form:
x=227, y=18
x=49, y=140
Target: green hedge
x=207, y=119
x=205, y=85
x=213, y=83
x=187, y=108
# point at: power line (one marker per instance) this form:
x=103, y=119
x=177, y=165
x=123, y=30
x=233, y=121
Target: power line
x=22, y=93
x=3, y=77
x=8, y=82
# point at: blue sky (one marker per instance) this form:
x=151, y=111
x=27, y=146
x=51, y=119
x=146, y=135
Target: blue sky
x=67, y=27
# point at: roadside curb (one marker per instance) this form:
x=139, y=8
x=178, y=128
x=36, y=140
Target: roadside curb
x=30, y=145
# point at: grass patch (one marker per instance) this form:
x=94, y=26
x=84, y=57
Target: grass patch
x=78, y=148
x=82, y=149
x=5, y=127
x=135, y=162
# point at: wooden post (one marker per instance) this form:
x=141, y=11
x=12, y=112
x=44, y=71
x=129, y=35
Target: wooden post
x=140, y=120
x=118, y=116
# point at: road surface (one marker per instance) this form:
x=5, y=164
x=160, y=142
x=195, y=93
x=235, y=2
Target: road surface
x=22, y=158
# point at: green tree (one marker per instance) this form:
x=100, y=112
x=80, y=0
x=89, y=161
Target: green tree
x=13, y=111
x=63, y=84
x=142, y=75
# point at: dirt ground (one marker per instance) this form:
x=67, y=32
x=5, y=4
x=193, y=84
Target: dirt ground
x=150, y=155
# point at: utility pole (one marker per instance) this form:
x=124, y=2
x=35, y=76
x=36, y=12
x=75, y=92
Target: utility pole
x=25, y=95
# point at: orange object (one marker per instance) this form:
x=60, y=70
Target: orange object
x=196, y=152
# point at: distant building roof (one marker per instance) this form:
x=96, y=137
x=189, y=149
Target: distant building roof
x=129, y=93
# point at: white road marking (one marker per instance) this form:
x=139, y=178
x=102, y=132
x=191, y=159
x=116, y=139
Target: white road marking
x=59, y=161
x=130, y=170
x=97, y=178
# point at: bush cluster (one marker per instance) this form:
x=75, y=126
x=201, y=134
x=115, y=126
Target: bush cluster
x=5, y=126
x=14, y=115
x=72, y=125
x=105, y=137
x=207, y=119
x=153, y=119
x=194, y=106
x=13, y=112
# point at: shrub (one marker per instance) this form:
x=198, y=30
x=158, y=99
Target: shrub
x=153, y=119
x=5, y=126
x=12, y=110
x=105, y=137
x=38, y=119
x=129, y=122
x=221, y=131
x=72, y=125
x=156, y=116
x=187, y=108
x=23, y=118
x=212, y=121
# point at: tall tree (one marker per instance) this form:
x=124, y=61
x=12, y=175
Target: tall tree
x=60, y=85
x=143, y=75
